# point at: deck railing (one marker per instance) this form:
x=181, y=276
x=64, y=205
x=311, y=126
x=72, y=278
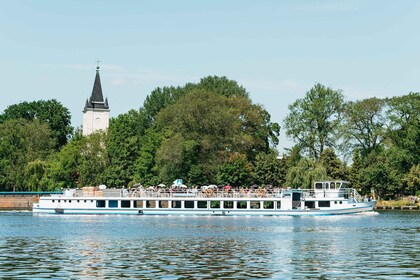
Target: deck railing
x=194, y=193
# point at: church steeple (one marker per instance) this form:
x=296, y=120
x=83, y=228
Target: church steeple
x=96, y=100
x=96, y=111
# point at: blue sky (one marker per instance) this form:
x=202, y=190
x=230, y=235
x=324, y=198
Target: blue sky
x=276, y=49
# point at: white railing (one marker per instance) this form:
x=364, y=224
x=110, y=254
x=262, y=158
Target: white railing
x=243, y=193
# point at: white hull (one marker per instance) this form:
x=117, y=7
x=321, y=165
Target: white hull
x=360, y=207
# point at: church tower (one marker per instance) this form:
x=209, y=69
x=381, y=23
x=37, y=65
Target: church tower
x=96, y=111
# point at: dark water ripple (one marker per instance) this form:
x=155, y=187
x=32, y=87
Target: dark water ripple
x=371, y=246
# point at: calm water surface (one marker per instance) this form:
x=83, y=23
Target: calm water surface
x=369, y=246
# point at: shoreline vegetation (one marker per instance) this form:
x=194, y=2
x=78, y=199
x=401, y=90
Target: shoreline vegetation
x=405, y=203
x=211, y=132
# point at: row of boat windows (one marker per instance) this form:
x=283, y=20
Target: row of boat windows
x=198, y=204
x=190, y=204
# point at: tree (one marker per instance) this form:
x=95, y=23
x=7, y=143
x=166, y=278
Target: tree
x=123, y=147
x=364, y=124
x=269, y=169
x=205, y=129
x=145, y=171
x=22, y=143
x=412, y=179
x=236, y=171
x=51, y=112
x=305, y=173
x=313, y=120
x=404, y=132
x=335, y=168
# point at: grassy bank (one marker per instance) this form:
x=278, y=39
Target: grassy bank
x=397, y=203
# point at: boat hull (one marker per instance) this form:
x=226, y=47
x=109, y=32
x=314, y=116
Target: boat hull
x=357, y=208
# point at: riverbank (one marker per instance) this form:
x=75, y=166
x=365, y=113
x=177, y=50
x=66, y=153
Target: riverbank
x=20, y=200
x=401, y=204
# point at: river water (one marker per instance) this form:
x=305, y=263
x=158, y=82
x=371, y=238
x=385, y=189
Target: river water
x=374, y=245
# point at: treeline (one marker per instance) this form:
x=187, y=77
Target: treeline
x=211, y=132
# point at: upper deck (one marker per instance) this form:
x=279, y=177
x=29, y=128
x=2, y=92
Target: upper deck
x=326, y=189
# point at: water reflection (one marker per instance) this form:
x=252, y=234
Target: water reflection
x=120, y=247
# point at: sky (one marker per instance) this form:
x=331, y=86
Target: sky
x=276, y=49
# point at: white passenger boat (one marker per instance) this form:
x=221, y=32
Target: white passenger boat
x=326, y=198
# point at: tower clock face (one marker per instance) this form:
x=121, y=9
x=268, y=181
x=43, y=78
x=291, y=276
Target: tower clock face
x=98, y=120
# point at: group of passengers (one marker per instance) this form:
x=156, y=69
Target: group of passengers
x=204, y=190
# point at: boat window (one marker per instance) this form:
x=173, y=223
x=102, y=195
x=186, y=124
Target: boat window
x=241, y=204
x=287, y=195
x=268, y=204
x=59, y=201
x=150, y=203
x=296, y=196
x=125, y=203
x=214, y=204
x=65, y=201
x=228, y=204
x=85, y=200
x=332, y=185
x=324, y=203
x=113, y=204
x=278, y=204
x=100, y=203
x=78, y=201
x=318, y=186
x=176, y=204
x=53, y=200
x=69, y=201
x=201, y=204
x=255, y=204
x=164, y=204
x=189, y=204
x=310, y=204
x=138, y=204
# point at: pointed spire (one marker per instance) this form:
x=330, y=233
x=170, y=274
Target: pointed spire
x=96, y=100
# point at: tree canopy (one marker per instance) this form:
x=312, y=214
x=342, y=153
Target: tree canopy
x=51, y=112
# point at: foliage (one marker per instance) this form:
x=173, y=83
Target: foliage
x=335, y=168
x=123, y=147
x=51, y=112
x=313, y=121
x=269, y=169
x=146, y=161
x=235, y=172
x=404, y=132
x=412, y=179
x=205, y=129
x=305, y=173
x=23, y=144
x=364, y=124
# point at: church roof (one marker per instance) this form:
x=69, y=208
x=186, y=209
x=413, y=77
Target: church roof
x=96, y=100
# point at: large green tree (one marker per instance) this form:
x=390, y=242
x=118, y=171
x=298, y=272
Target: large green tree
x=269, y=169
x=364, y=124
x=313, y=120
x=24, y=144
x=404, y=133
x=123, y=147
x=204, y=129
x=51, y=112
